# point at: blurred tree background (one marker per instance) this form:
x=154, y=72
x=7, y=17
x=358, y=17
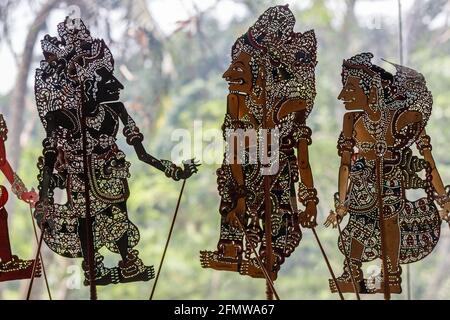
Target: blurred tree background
x=170, y=55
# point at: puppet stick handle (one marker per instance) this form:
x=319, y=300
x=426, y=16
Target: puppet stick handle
x=269, y=280
x=89, y=221
x=40, y=256
x=294, y=205
x=35, y=264
x=347, y=259
x=400, y=45
x=387, y=292
x=168, y=240
x=328, y=263
x=268, y=234
x=269, y=291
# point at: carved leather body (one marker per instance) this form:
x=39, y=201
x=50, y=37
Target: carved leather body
x=11, y=267
x=418, y=220
x=288, y=117
x=107, y=174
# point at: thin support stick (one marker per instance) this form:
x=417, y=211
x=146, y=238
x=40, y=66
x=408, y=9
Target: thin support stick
x=40, y=256
x=347, y=259
x=387, y=292
x=35, y=264
x=400, y=31
x=295, y=207
x=408, y=282
x=89, y=230
x=168, y=240
x=269, y=281
x=400, y=45
x=268, y=234
x=328, y=263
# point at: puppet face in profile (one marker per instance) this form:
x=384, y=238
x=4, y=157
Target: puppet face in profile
x=353, y=95
x=107, y=85
x=239, y=75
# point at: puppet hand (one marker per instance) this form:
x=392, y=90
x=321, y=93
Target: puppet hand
x=237, y=214
x=42, y=214
x=333, y=220
x=308, y=219
x=189, y=168
x=30, y=197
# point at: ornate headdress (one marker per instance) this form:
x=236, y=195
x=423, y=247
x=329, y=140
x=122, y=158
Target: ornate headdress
x=289, y=58
x=406, y=90
x=69, y=68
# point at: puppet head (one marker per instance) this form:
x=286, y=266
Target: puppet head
x=273, y=61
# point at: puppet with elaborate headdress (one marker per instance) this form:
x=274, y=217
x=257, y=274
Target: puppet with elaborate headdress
x=77, y=97
x=11, y=266
x=388, y=115
x=272, y=87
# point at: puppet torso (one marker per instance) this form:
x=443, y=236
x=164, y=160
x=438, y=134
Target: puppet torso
x=418, y=220
x=107, y=168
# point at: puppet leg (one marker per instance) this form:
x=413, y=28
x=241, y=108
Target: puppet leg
x=250, y=265
x=392, y=254
x=228, y=256
x=286, y=236
x=5, y=246
x=352, y=267
x=131, y=268
x=11, y=267
x=103, y=275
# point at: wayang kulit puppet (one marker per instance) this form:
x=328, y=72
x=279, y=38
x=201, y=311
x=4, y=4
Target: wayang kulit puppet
x=77, y=97
x=272, y=86
x=386, y=115
x=11, y=266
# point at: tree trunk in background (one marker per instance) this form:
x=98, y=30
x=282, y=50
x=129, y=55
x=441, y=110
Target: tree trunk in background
x=415, y=24
x=140, y=15
x=20, y=88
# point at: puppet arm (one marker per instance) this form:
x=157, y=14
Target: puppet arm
x=46, y=164
x=345, y=147
x=134, y=138
x=237, y=172
x=17, y=186
x=307, y=194
x=443, y=197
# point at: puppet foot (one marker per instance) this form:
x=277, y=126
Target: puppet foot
x=346, y=286
x=393, y=288
x=133, y=269
x=18, y=269
x=103, y=275
x=252, y=268
x=345, y=282
x=215, y=260
x=394, y=281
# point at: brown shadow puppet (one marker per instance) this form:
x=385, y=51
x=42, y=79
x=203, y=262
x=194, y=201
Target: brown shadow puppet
x=11, y=266
x=272, y=86
x=78, y=101
x=386, y=115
